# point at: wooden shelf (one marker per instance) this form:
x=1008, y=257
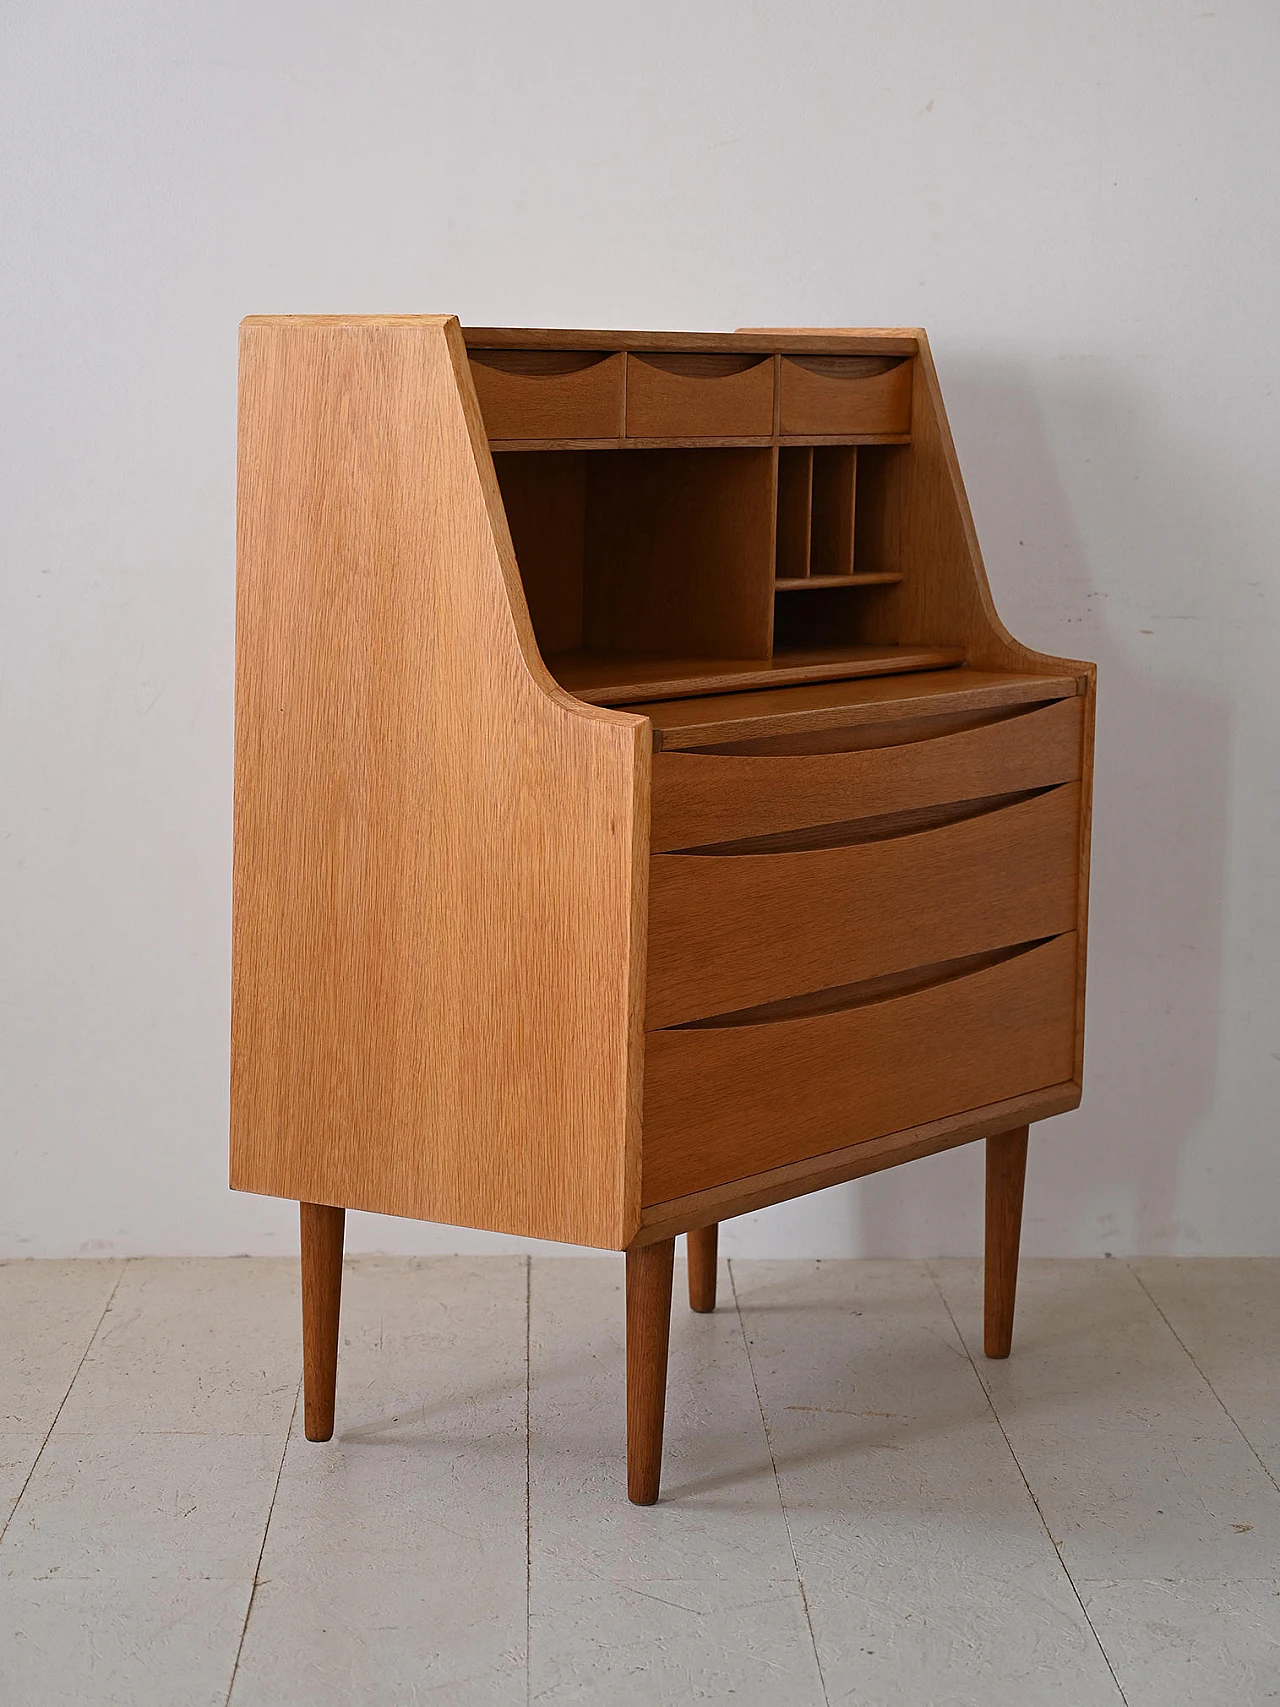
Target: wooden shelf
x=802, y=583
x=621, y=678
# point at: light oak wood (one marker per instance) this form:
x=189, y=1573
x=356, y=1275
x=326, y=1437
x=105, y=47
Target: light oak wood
x=729, y=931
x=649, y=1271
x=850, y=1162
x=844, y=394
x=402, y=1040
x=443, y=933
x=321, y=1230
x=525, y=394
x=723, y=1103
x=702, y=797
x=703, y=1245
x=700, y=393
x=1006, y=1176
x=889, y=340
x=620, y=678
x=742, y=716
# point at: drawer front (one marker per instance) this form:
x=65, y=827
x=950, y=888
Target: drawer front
x=845, y=394
x=549, y=394
x=704, y=797
x=730, y=931
x=722, y=1103
x=703, y=395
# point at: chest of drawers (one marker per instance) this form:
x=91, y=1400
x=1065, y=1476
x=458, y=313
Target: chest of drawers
x=642, y=815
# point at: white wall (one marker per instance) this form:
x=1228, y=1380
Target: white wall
x=1080, y=203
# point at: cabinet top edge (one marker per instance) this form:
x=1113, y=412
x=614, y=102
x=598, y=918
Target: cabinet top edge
x=871, y=340
x=875, y=340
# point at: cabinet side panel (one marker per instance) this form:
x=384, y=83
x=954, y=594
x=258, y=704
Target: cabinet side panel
x=440, y=857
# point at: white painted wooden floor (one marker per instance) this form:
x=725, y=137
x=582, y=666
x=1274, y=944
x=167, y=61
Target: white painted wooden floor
x=856, y=1506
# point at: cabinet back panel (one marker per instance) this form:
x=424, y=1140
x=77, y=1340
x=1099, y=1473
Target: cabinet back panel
x=679, y=552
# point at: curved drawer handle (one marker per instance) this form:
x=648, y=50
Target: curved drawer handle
x=539, y=364
x=852, y=832
x=867, y=993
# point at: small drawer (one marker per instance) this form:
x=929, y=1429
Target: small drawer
x=712, y=797
x=735, y=930
x=549, y=394
x=701, y=394
x=846, y=394
x=724, y=1102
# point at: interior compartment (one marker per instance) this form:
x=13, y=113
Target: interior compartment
x=819, y=616
x=835, y=482
x=665, y=553
x=695, y=394
x=845, y=395
x=550, y=394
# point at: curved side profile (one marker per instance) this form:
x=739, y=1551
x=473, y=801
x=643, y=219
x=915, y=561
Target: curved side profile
x=440, y=855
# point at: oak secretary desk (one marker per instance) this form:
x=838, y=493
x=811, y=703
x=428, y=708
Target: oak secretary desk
x=642, y=815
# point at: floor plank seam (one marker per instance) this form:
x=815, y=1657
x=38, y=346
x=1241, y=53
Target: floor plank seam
x=1200, y=1372
x=986, y=1393
x=35, y=1462
x=777, y=1482
x=528, y=1478
x=266, y=1530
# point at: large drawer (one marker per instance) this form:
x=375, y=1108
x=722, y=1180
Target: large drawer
x=729, y=931
x=845, y=395
x=549, y=394
x=705, y=797
x=724, y=1102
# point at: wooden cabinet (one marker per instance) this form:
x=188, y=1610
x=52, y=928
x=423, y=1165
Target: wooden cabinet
x=642, y=815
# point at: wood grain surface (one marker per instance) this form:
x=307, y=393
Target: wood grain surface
x=528, y=400
x=702, y=797
x=692, y=395
x=731, y=931
x=1006, y=1177
x=320, y=1231
x=725, y=1103
x=622, y=678
x=844, y=394
x=849, y=1162
x=441, y=856
x=759, y=714
x=649, y=1273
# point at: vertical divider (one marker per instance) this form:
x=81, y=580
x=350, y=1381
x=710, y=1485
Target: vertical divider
x=772, y=555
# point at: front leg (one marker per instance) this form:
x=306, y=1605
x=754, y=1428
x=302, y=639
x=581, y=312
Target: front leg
x=321, y=1229
x=1006, y=1175
x=649, y=1269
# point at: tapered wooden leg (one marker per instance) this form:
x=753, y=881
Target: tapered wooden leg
x=648, y=1333
x=702, y=1243
x=321, y=1229
x=1006, y=1174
